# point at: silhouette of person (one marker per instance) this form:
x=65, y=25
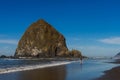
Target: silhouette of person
x=81, y=60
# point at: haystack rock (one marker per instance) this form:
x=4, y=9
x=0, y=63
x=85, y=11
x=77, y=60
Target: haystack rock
x=41, y=40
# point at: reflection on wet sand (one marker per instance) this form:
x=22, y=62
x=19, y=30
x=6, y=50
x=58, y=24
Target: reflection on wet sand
x=52, y=73
x=113, y=74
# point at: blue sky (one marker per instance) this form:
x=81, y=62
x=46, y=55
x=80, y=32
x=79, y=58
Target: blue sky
x=91, y=26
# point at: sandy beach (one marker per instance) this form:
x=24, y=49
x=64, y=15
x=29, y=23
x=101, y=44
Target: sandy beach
x=73, y=71
x=50, y=73
x=112, y=74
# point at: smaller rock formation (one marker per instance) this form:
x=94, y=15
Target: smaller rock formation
x=3, y=56
x=74, y=53
x=117, y=56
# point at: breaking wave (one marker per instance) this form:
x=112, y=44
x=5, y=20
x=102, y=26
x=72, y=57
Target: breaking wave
x=31, y=67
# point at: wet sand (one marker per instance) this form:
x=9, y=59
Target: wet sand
x=89, y=70
x=51, y=73
x=113, y=74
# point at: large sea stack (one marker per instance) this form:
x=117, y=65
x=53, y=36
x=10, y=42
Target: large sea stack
x=42, y=40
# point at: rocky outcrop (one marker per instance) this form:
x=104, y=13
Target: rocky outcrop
x=117, y=56
x=42, y=40
x=75, y=53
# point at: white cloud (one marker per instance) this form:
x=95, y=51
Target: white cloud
x=113, y=40
x=8, y=41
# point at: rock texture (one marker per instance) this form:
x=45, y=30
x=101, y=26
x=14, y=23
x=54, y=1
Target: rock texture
x=42, y=40
x=117, y=56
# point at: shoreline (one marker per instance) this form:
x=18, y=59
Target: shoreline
x=47, y=59
x=33, y=67
x=112, y=74
x=49, y=73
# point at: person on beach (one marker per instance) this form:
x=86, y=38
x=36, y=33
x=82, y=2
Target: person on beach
x=81, y=60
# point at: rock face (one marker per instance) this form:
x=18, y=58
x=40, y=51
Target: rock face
x=117, y=56
x=41, y=40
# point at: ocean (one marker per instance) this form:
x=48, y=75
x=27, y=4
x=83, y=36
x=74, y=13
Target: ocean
x=26, y=69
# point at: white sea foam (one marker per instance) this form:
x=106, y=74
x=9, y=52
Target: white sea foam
x=24, y=68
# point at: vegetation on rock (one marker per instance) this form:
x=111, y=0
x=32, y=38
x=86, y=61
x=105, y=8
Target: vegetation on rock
x=42, y=40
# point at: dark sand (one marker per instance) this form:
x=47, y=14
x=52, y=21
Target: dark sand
x=113, y=74
x=51, y=73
